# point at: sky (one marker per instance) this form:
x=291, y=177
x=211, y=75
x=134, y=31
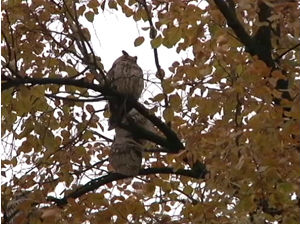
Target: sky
x=114, y=32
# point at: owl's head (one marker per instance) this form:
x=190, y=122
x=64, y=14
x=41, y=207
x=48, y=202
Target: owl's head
x=126, y=57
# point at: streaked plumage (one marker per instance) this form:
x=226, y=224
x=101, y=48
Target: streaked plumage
x=126, y=77
x=14, y=212
x=126, y=156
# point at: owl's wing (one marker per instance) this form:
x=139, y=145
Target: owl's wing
x=116, y=113
x=110, y=74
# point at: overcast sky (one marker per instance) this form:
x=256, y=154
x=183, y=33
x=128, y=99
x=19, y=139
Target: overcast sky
x=116, y=32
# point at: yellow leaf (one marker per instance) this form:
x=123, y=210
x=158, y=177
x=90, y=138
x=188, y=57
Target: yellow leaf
x=175, y=101
x=172, y=36
x=149, y=188
x=127, y=11
x=168, y=114
x=222, y=39
x=167, y=86
x=14, y=161
x=278, y=74
x=138, y=41
x=154, y=207
x=188, y=190
x=156, y=42
x=89, y=16
x=191, y=72
x=158, y=98
x=295, y=111
x=93, y=4
x=112, y=4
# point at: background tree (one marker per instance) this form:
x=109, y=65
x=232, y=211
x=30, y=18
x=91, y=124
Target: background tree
x=229, y=113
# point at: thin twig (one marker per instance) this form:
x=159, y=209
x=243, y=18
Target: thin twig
x=75, y=99
x=287, y=51
x=155, y=51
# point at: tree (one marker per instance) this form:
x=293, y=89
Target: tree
x=226, y=146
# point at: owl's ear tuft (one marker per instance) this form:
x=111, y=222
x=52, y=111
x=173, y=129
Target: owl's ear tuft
x=135, y=58
x=125, y=53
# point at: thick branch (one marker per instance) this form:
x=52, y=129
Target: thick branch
x=262, y=38
x=197, y=172
x=235, y=25
x=174, y=144
x=258, y=45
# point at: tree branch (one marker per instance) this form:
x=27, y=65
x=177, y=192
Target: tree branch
x=75, y=99
x=260, y=44
x=287, y=51
x=235, y=25
x=262, y=38
x=160, y=75
x=198, y=172
x=171, y=142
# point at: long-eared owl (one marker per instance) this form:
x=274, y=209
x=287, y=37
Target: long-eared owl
x=126, y=77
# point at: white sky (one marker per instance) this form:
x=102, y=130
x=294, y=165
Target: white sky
x=116, y=32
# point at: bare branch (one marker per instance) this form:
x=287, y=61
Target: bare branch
x=152, y=31
x=75, y=99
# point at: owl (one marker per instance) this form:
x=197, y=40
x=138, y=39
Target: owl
x=14, y=212
x=126, y=77
x=140, y=120
x=126, y=156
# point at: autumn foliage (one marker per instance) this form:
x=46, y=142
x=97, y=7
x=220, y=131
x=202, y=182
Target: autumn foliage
x=227, y=116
